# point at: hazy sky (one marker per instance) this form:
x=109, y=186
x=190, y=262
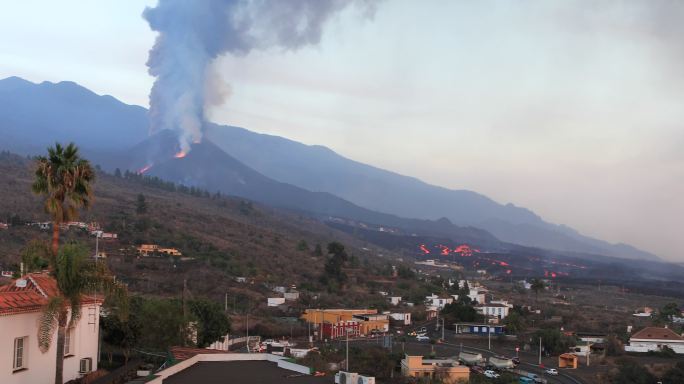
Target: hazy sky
x=570, y=108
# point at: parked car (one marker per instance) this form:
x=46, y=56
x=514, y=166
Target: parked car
x=422, y=338
x=552, y=371
x=491, y=374
x=477, y=369
x=516, y=360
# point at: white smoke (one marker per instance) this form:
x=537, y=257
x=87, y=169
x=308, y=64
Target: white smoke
x=194, y=33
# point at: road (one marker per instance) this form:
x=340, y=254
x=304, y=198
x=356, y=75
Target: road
x=529, y=362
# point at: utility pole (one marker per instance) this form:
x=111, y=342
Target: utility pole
x=226, y=303
x=346, y=330
x=443, y=325
x=247, y=331
x=540, y=347
x=489, y=337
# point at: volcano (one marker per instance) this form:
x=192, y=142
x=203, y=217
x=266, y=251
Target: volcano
x=208, y=167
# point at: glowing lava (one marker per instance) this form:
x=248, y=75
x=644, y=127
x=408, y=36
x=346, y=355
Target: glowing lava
x=180, y=155
x=424, y=249
x=144, y=169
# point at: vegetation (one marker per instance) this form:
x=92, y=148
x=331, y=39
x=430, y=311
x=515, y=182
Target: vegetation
x=631, y=372
x=64, y=178
x=76, y=277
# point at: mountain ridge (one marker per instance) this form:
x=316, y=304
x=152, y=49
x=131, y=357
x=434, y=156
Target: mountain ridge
x=114, y=126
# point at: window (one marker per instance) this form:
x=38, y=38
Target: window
x=68, y=342
x=20, y=344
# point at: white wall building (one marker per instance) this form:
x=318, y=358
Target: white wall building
x=477, y=294
x=438, y=302
x=394, y=300
x=275, y=301
x=21, y=361
x=654, y=339
x=401, y=318
x=493, y=310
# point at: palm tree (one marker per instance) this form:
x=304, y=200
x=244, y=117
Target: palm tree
x=76, y=277
x=65, y=179
x=537, y=286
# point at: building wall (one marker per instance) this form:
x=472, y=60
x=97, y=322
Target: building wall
x=41, y=366
x=646, y=346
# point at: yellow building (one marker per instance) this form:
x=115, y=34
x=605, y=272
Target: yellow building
x=449, y=371
x=368, y=319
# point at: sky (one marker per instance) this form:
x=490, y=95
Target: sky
x=570, y=108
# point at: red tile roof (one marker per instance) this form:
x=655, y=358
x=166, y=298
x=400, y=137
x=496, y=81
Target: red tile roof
x=184, y=353
x=31, y=297
x=656, y=333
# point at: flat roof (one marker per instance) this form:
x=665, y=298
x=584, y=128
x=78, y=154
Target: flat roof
x=241, y=372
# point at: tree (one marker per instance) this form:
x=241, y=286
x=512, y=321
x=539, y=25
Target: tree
x=669, y=310
x=514, y=322
x=460, y=312
x=631, y=372
x=141, y=205
x=302, y=246
x=76, y=276
x=117, y=172
x=213, y=323
x=675, y=374
x=64, y=178
x=537, y=286
x=318, y=251
x=35, y=256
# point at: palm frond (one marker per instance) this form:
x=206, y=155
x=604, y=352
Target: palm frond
x=48, y=322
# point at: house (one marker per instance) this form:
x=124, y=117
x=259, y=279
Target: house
x=369, y=320
x=445, y=370
x=591, y=337
x=4, y=226
x=394, y=300
x=654, y=339
x=400, y=319
x=499, y=311
x=431, y=313
x=581, y=348
x=479, y=329
x=240, y=279
x=237, y=368
x=148, y=249
x=342, y=329
x=291, y=296
x=438, y=302
x=477, y=294
x=279, y=289
x=567, y=360
x=275, y=301
x=21, y=360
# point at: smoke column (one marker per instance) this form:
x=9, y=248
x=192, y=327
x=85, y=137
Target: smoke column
x=194, y=33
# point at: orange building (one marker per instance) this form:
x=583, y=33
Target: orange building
x=368, y=319
x=449, y=371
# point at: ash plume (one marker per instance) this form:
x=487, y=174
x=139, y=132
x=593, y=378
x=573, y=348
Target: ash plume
x=194, y=33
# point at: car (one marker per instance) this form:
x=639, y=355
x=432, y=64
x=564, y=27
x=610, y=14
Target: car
x=422, y=338
x=552, y=371
x=516, y=360
x=477, y=369
x=491, y=374
x=412, y=333
x=422, y=330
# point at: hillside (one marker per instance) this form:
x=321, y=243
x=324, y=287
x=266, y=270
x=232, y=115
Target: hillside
x=107, y=130
x=223, y=238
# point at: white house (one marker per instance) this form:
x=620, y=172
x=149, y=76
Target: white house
x=477, y=294
x=292, y=295
x=394, y=300
x=400, y=318
x=275, y=301
x=438, y=302
x=654, y=339
x=497, y=310
x=21, y=360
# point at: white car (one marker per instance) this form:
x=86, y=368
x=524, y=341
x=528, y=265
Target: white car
x=552, y=371
x=422, y=338
x=491, y=374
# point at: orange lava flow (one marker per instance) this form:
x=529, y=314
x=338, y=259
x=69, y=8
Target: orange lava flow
x=144, y=169
x=180, y=155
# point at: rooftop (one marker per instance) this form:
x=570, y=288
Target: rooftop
x=241, y=372
x=30, y=296
x=656, y=333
